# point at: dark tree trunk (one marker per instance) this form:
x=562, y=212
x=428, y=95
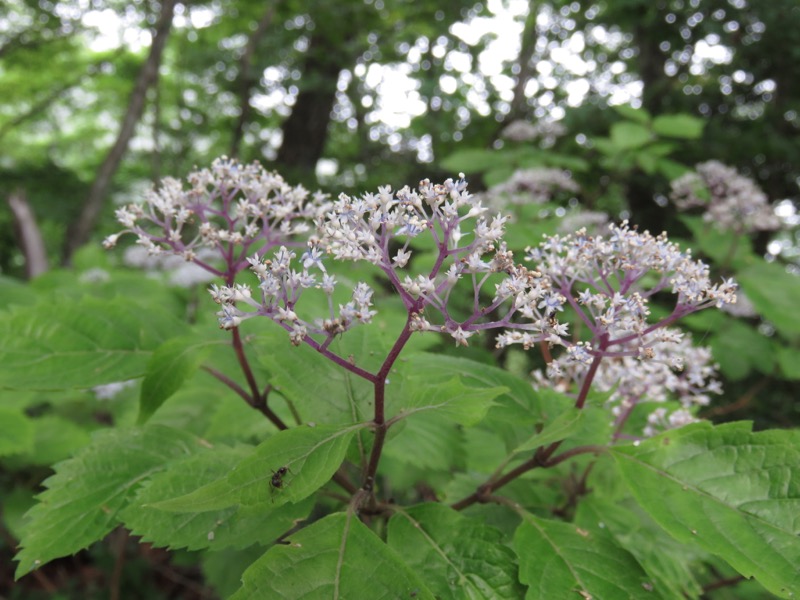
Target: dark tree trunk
x=306, y=129
x=79, y=232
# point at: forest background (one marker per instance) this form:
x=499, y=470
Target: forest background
x=101, y=99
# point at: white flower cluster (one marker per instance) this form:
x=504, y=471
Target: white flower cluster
x=530, y=186
x=229, y=205
x=614, y=276
x=281, y=283
x=609, y=282
x=381, y=228
x=524, y=131
x=731, y=200
x=671, y=369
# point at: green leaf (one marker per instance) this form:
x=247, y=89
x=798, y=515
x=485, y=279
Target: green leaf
x=465, y=405
x=775, y=293
x=639, y=115
x=679, y=126
x=789, y=361
x=519, y=403
x=560, y=428
x=726, y=490
x=473, y=161
x=735, y=364
x=54, y=439
x=627, y=135
x=83, y=498
x=325, y=392
x=669, y=563
x=16, y=432
x=561, y=560
x=428, y=440
x=671, y=169
x=169, y=367
x=456, y=556
x=336, y=557
x=79, y=344
x=230, y=527
x=310, y=454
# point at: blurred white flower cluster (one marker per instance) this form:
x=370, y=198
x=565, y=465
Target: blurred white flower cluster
x=529, y=186
x=523, y=131
x=731, y=200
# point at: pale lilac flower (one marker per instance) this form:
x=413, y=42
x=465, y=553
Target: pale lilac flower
x=731, y=200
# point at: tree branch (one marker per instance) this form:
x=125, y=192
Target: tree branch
x=80, y=230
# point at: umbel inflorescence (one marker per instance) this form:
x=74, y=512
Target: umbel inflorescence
x=442, y=252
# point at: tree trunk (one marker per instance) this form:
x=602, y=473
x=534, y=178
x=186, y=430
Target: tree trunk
x=79, y=232
x=306, y=129
x=29, y=234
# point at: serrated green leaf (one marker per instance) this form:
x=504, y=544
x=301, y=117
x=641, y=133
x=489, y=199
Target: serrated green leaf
x=311, y=454
x=561, y=560
x=727, y=490
x=16, y=432
x=456, y=556
x=79, y=344
x=227, y=528
x=679, y=126
x=560, y=428
x=172, y=363
x=669, y=563
x=334, y=558
x=83, y=498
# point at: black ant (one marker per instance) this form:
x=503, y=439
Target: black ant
x=277, y=481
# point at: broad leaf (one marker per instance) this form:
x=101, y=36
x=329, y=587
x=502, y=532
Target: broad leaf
x=726, y=490
x=626, y=135
x=561, y=560
x=334, y=558
x=79, y=344
x=560, y=428
x=83, y=498
x=230, y=527
x=16, y=432
x=169, y=367
x=311, y=456
x=775, y=293
x=456, y=556
x=429, y=440
x=668, y=562
x=465, y=405
x=679, y=126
